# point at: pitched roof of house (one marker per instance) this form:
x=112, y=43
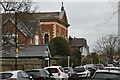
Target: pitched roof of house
x=78, y=42
x=26, y=22
x=52, y=15
x=29, y=51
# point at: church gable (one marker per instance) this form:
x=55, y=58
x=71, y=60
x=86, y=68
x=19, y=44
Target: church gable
x=63, y=16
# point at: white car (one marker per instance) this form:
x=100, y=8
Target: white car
x=57, y=72
x=82, y=71
x=16, y=75
x=112, y=68
x=106, y=75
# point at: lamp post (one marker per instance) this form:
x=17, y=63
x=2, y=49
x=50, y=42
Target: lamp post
x=16, y=41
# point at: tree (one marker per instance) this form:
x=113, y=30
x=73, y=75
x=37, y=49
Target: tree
x=18, y=5
x=75, y=56
x=17, y=10
x=107, y=45
x=95, y=59
x=59, y=46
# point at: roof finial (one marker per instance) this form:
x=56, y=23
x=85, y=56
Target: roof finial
x=62, y=8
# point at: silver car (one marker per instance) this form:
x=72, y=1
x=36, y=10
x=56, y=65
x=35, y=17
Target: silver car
x=15, y=75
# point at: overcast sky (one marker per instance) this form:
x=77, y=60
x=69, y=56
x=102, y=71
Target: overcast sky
x=89, y=20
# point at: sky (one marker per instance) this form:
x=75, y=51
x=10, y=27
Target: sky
x=88, y=19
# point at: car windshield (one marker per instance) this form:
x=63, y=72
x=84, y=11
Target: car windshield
x=34, y=73
x=106, y=75
x=61, y=69
x=81, y=69
x=69, y=69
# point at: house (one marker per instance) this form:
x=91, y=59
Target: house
x=80, y=43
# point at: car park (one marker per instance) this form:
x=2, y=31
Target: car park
x=57, y=72
x=15, y=75
x=72, y=75
x=39, y=74
x=106, y=75
x=82, y=72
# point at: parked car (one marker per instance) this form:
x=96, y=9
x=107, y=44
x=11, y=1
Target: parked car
x=106, y=75
x=92, y=71
x=100, y=66
x=72, y=75
x=112, y=68
x=39, y=74
x=92, y=68
x=110, y=65
x=4, y=76
x=15, y=75
x=57, y=72
x=82, y=72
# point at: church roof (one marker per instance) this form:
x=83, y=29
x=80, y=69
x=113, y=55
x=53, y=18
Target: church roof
x=27, y=23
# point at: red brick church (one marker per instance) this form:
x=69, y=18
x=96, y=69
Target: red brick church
x=35, y=28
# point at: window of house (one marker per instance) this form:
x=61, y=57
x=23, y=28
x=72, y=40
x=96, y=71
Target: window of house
x=36, y=40
x=30, y=41
x=46, y=38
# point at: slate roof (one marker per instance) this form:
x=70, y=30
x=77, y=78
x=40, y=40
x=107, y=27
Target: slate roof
x=47, y=15
x=26, y=22
x=29, y=51
x=52, y=15
x=78, y=42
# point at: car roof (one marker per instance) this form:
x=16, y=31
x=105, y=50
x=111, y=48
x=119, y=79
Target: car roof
x=33, y=69
x=110, y=71
x=13, y=71
x=80, y=67
x=67, y=67
x=53, y=67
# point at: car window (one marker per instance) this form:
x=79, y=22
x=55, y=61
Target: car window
x=19, y=75
x=34, y=73
x=81, y=69
x=61, y=69
x=22, y=74
x=52, y=70
x=106, y=75
x=69, y=69
x=44, y=73
x=5, y=75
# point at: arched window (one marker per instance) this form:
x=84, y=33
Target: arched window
x=46, y=38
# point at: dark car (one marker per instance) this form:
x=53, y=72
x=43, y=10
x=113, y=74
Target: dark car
x=39, y=74
x=71, y=73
